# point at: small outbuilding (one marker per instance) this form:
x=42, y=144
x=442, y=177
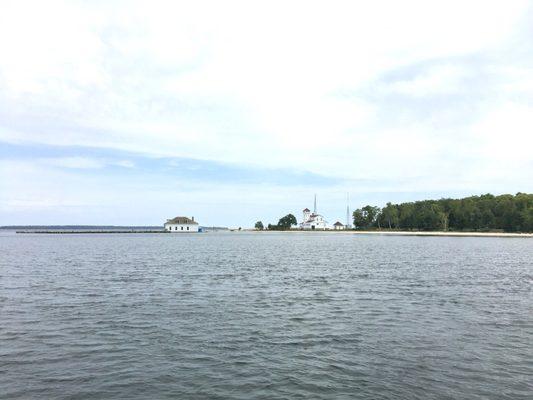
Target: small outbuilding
x=181, y=225
x=338, y=226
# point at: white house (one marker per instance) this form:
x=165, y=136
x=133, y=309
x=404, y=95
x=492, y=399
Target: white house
x=313, y=220
x=181, y=224
x=338, y=226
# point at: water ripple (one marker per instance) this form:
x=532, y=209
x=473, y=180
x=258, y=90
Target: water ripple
x=265, y=316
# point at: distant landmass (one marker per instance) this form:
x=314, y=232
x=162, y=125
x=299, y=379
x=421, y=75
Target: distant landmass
x=98, y=228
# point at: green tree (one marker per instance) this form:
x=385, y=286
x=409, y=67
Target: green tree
x=407, y=212
x=389, y=217
x=366, y=217
x=475, y=213
x=259, y=226
x=287, y=221
x=359, y=220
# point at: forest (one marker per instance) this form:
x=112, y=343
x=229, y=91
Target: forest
x=485, y=213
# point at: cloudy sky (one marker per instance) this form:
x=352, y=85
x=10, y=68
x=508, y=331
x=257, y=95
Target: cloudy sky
x=133, y=112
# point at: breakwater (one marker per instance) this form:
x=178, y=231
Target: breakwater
x=68, y=232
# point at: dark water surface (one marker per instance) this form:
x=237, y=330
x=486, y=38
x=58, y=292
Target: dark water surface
x=265, y=316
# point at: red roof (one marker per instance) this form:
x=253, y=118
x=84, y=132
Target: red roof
x=306, y=210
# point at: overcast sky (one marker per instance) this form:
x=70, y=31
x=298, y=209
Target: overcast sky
x=134, y=112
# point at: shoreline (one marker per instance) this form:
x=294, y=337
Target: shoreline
x=453, y=234
x=411, y=233
x=378, y=233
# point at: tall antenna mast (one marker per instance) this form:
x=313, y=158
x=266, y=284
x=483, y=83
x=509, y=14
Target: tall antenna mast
x=315, y=205
x=347, y=210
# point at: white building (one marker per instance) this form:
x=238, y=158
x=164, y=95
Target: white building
x=181, y=224
x=338, y=226
x=313, y=220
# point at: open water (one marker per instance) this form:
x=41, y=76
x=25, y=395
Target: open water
x=265, y=316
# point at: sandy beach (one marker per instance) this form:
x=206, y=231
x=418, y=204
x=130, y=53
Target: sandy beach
x=413, y=233
x=469, y=234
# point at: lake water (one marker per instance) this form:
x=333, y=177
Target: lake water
x=265, y=316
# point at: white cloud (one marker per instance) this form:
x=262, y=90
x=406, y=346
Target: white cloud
x=442, y=79
x=505, y=133
x=124, y=163
x=74, y=162
x=83, y=162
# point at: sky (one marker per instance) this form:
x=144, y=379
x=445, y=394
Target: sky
x=130, y=113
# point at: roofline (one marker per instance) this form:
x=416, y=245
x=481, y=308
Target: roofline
x=188, y=221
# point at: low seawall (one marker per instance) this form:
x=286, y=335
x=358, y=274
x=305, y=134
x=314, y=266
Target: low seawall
x=68, y=232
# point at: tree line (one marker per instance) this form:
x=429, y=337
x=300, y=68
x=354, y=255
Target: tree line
x=283, y=224
x=487, y=212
